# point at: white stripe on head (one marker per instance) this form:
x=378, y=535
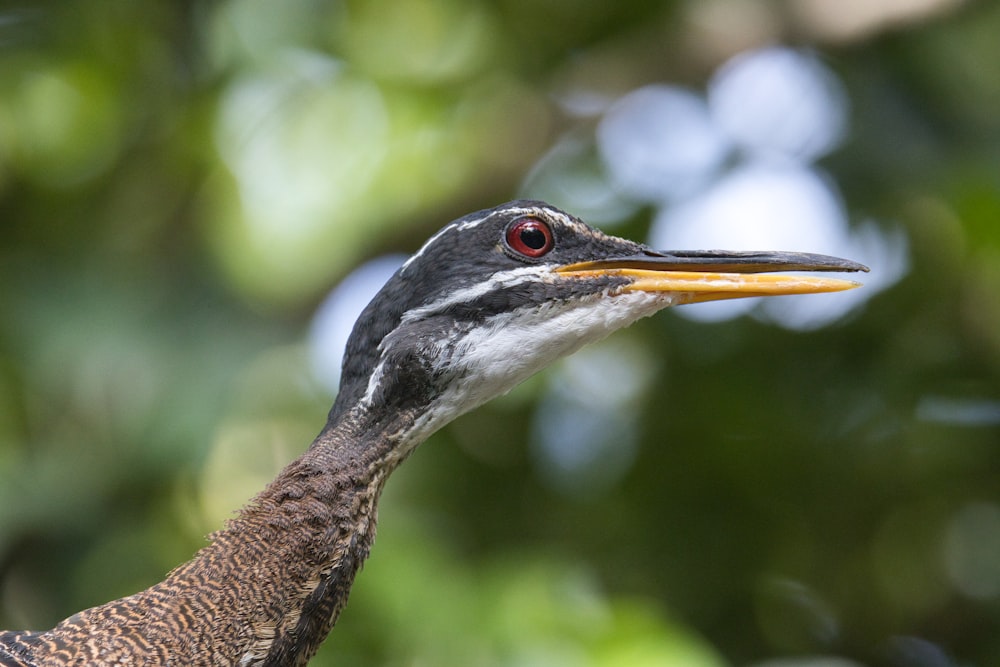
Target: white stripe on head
x=441, y=232
x=499, y=280
x=465, y=225
x=460, y=226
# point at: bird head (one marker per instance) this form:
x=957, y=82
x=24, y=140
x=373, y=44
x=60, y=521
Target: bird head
x=499, y=294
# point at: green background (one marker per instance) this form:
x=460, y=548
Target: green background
x=793, y=495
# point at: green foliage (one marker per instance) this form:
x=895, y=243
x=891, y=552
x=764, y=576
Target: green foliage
x=180, y=184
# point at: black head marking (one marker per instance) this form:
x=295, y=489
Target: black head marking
x=461, y=256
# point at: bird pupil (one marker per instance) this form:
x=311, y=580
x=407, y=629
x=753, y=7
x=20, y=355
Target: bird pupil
x=533, y=237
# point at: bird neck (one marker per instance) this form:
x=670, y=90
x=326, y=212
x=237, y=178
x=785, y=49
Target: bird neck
x=284, y=566
x=269, y=587
x=302, y=540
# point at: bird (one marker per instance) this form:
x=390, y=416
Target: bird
x=487, y=301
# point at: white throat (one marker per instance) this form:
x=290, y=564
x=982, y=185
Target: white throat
x=494, y=357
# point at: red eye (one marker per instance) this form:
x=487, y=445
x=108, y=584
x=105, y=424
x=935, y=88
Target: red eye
x=529, y=237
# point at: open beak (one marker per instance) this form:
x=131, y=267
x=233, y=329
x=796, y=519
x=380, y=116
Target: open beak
x=709, y=275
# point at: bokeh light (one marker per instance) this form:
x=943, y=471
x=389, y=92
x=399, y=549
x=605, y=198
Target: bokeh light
x=303, y=146
x=783, y=110
x=584, y=429
x=572, y=176
x=659, y=143
x=779, y=102
x=334, y=320
x=971, y=548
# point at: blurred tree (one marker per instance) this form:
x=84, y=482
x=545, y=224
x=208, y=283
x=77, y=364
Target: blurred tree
x=181, y=183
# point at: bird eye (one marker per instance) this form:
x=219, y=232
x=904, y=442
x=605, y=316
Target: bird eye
x=529, y=237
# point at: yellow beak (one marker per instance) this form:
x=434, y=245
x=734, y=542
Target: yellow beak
x=696, y=276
